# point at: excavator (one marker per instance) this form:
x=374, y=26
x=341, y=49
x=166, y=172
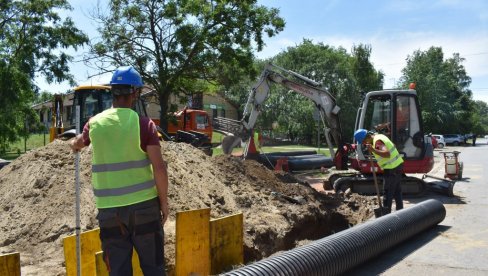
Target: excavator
x=395, y=113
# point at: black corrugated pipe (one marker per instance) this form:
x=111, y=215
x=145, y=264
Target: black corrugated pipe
x=342, y=251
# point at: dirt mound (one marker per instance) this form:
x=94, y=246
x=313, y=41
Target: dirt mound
x=37, y=199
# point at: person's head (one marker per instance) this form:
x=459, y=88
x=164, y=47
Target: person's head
x=125, y=85
x=362, y=136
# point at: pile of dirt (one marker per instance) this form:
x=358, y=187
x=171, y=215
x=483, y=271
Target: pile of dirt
x=37, y=199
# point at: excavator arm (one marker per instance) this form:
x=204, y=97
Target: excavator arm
x=323, y=100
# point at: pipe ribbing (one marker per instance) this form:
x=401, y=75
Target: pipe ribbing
x=342, y=251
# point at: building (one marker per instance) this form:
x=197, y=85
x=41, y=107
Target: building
x=215, y=105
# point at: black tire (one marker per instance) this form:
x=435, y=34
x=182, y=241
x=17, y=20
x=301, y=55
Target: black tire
x=440, y=145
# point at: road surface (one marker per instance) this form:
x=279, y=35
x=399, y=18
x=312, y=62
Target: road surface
x=459, y=244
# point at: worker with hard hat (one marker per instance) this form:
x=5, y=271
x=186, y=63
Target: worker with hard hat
x=389, y=160
x=129, y=178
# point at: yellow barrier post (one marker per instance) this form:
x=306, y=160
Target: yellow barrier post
x=226, y=243
x=192, y=242
x=91, y=255
x=10, y=264
x=90, y=244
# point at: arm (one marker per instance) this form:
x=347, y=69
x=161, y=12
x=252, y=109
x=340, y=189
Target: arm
x=161, y=178
x=380, y=149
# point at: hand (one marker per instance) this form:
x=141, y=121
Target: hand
x=370, y=148
x=164, y=211
x=73, y=146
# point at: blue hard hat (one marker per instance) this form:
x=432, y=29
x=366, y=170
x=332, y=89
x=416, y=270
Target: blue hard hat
x=360, y=134
x=126, y=75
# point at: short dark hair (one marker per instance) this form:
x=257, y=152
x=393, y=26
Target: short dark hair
x=121, y=89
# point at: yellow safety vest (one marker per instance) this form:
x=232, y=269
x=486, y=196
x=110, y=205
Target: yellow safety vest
x=121, y=171
x=395, y=158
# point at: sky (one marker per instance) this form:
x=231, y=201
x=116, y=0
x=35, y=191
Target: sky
x=393, y=28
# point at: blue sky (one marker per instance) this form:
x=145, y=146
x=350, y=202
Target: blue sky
x=393, y=28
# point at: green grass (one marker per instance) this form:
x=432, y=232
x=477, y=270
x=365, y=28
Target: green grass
x=34, y=141
x=217, y=137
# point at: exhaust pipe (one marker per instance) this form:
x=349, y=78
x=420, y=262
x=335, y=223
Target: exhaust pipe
x=338, y=253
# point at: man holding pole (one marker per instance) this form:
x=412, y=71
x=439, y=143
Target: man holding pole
x=129, y=179
x=390, y=161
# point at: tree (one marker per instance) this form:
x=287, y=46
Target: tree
x=32, y=40
x=480, y=117
x=175, y=43
x=442, y=88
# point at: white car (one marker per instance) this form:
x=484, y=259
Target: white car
x=440, y=140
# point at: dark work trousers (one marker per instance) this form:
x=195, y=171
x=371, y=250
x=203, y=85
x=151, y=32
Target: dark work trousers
x=136, y=226
x=392, y=188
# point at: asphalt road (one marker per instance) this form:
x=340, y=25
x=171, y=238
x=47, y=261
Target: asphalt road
x=459, y=244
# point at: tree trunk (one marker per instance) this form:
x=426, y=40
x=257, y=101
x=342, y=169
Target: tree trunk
x=163, y=103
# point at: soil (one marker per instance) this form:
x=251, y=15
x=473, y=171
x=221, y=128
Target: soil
x=37, y=203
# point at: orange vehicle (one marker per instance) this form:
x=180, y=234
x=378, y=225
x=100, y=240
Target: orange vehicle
x=191, y=120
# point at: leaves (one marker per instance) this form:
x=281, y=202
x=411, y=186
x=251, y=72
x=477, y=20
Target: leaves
x=33, y=40
x=442, y=87
x=172, y=43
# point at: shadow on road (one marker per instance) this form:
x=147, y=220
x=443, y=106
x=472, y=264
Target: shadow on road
x=390, y=258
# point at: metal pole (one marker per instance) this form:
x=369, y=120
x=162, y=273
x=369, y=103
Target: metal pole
x=77, y=193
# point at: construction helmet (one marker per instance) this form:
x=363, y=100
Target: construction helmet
x=126, y=75
x=360, y=134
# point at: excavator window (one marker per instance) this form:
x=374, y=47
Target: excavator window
x=202, y=121
x=378, y=114
x=408, y=135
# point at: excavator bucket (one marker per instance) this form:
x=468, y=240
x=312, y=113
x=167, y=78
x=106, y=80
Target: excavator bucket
x=229, y=143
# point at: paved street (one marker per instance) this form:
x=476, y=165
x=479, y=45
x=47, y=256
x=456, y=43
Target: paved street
x=459, y=244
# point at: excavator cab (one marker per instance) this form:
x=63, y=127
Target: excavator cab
x=92, y=100
x=396, y=114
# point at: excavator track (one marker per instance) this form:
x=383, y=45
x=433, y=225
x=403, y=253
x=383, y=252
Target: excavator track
x=364, y=184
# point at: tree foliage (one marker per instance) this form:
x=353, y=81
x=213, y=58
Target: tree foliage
x=175, y=43
x=32, y=39
x=443, y=89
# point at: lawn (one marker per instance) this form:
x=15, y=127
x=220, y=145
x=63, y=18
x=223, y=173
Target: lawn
x=38, y=140
x=34, y=141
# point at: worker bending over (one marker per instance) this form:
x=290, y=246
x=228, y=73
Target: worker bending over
x=129, y=179
x=389, y=160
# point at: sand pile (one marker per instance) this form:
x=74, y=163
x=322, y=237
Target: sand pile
x=37, y=193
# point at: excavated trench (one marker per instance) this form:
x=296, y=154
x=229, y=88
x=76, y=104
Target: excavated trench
x=37, y=198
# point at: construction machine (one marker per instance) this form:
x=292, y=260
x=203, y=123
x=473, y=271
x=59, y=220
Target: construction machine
x=94, y=99
x=395, y=113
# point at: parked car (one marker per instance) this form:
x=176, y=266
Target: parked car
x=440, y=140
x=455, y=139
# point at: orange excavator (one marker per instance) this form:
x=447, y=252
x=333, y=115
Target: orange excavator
x=379, y=112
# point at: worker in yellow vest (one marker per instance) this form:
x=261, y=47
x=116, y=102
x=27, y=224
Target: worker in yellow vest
x=389, y=160
x=129, y=178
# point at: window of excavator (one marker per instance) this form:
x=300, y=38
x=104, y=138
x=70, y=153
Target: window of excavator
x=378, y=114
x=408, y=129
x=202, y=120
x=106, y=98
x=90, y=106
